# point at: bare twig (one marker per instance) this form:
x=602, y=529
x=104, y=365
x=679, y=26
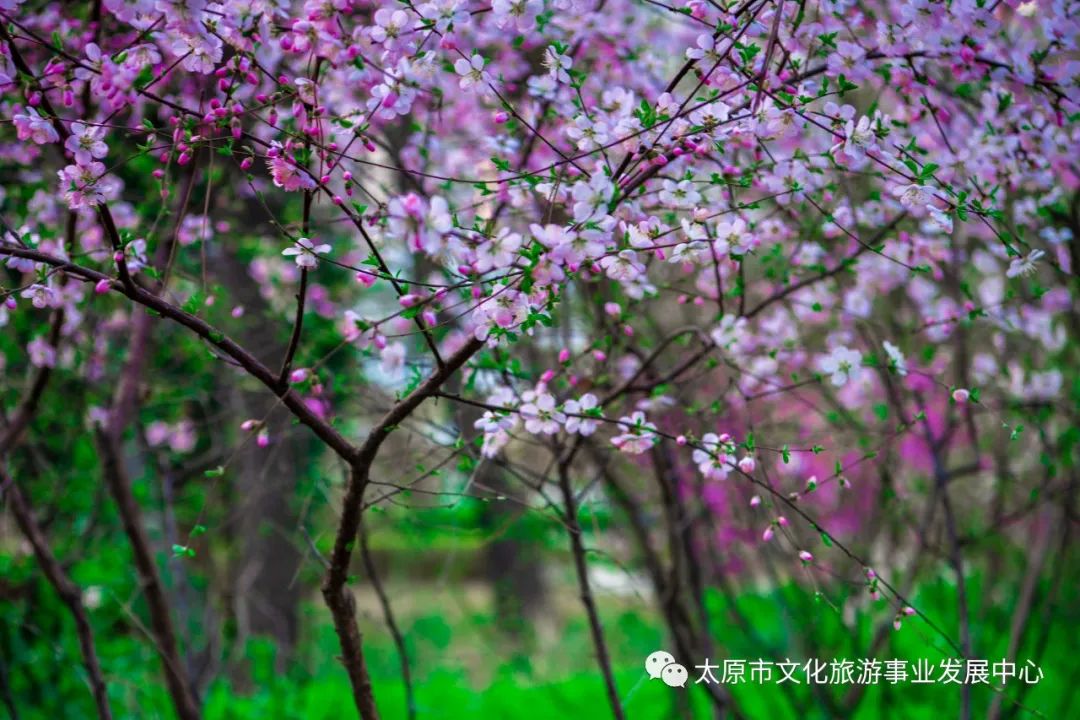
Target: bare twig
x=67, y=590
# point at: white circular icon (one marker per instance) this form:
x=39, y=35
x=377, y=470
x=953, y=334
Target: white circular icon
x=655, y=663
x=674, y=675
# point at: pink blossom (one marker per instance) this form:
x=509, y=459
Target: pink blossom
x=31, y=126
x=85, y=143
x=306, y=253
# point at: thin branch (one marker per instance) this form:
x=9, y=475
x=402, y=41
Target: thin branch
x=69, y=593
x=577, y=549
x=162, y=630
x=211, y=335
x=338, y=598
x=294, y=340
x=391, y=621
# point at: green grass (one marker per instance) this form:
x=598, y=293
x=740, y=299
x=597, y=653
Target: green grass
x=464, y=668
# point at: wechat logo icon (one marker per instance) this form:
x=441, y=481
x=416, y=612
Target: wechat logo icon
x=661, y=664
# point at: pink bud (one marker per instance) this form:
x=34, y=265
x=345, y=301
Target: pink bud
x=547, y=376
x=896, y=623
x=102, y=287
x=408, y=300
x=755, y=501
x=908, y=610
x=237, y=311
x=870, y=574
x=299, y=375
x=564, y=355
x=782, y=521
x=249, y=425
x=262, y=439
x=805, y=556
x=768, y=534
x=501, y=117
x=961, y=395
x=747, y=465
x=599, y=355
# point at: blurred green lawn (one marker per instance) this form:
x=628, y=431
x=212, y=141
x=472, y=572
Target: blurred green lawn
x=455, y=678
x=465, y=667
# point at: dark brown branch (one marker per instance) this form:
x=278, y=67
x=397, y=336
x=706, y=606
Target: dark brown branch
x=211, y=335
x=69, y=593
x=581, y=568
x=28, y=407
x=301, y=297
x=391, y=621
x=294, y=340
x=187, y=707
x=338, y=597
